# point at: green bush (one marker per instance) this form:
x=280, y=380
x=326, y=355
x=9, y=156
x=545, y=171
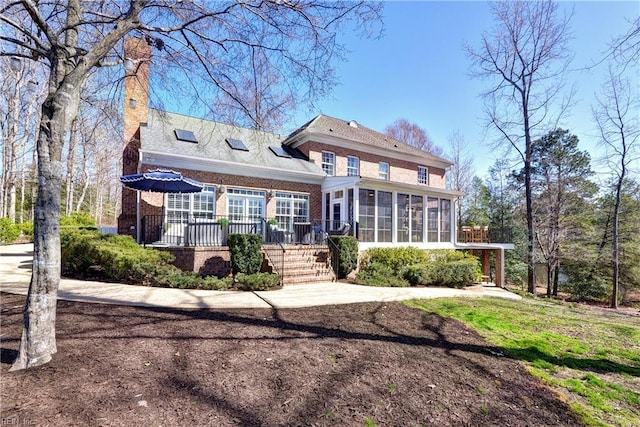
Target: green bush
x=77, y=219
x=394, y=267
x=116, y=257
x=584, y=284
x=347, y=254
x=171, y=276
x=246, y=253
x=26, y=228
x=379, y=274
x=257, y=281
x=9, y=231
x=394, y=258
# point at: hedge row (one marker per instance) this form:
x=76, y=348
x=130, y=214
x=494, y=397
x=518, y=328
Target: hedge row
x=410, y=266
x=89, y=253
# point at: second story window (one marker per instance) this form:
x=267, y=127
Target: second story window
x=329, y=163
x=353, y=166
x=384, y=171
x=423, y=175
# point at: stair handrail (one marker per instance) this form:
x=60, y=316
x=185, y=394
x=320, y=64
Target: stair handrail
x=273, y=238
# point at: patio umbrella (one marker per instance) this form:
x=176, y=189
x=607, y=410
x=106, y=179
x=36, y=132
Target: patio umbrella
x=162, y=181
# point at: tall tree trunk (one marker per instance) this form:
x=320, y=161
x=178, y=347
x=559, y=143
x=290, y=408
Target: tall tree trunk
x=73, y=142
x=12, y=163
x=38, y=342
x=615, y=260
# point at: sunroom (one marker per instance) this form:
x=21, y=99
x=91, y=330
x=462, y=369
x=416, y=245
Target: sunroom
x=381, y=213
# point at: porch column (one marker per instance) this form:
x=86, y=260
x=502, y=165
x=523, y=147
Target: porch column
x=486, y=262
x=499, y=267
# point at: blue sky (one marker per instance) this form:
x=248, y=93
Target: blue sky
x=419, y=71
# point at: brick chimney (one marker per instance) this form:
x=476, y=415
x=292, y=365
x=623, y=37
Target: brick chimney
x=137, y=53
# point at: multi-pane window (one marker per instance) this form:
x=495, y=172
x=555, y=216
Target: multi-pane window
x=417, y=218
x=432, y=219
x=385, y=216
x=403, y=217
x=445, y=220
x=329, y=163
x=353, y=166
x=410, y=219
x=188, y=207
x=384, y=171
x=243, y=204
x=423, y=175
x=367, y=218
x=291, y=209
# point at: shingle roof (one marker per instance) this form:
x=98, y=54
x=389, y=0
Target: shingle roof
x=351, y=130
x=159, y=136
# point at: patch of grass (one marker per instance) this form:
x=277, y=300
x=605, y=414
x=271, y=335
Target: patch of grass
x=368, y=422
x=391, y=388
x=592, y=355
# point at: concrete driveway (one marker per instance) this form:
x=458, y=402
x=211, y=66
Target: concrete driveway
x=15, y=274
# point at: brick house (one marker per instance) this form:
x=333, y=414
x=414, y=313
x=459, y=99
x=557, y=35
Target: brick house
x=328, y=176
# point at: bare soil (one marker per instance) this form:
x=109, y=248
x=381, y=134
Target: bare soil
x=381, y=364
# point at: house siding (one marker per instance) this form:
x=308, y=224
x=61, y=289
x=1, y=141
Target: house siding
x=401, y=171
x=152, y=202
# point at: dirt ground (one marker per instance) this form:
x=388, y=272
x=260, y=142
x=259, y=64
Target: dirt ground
x=381, y=364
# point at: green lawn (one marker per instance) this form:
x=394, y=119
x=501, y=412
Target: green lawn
x=591, y=355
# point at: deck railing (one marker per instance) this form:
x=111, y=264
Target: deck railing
x=484, y=234
x=213, y=231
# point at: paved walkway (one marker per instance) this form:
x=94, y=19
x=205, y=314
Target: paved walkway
x=15, y=274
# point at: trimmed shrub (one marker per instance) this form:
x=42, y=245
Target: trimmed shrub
x=246, y=253
x=115, y=257
x=9, y=231
x=347, y=254
x=394, y=258
x=257, y=281
x=379, y=274
x=394, y=267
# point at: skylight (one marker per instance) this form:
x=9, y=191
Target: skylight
x=236, y=144
x=186, y=135
x=280, y=152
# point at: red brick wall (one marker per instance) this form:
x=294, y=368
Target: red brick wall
x=204, y=261
x=152, y=202
x=400, y=170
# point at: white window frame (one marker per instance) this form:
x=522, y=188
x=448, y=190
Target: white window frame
x=329, y=163
x=384, y=174
x=353, y=169
x=245, y=195
x=185, y=206
x=423, y=179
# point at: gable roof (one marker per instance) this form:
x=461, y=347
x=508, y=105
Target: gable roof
x=214, y=146
x=334, y=128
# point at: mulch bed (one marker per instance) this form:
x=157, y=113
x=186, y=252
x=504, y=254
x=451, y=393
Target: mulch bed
x=381, y=364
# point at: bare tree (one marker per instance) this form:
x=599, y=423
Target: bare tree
x=412, y=134
x=204, y=39
x=256, y=101
x=525, y=58
x=460, y=175
x=17, y=111
x=617, y=117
